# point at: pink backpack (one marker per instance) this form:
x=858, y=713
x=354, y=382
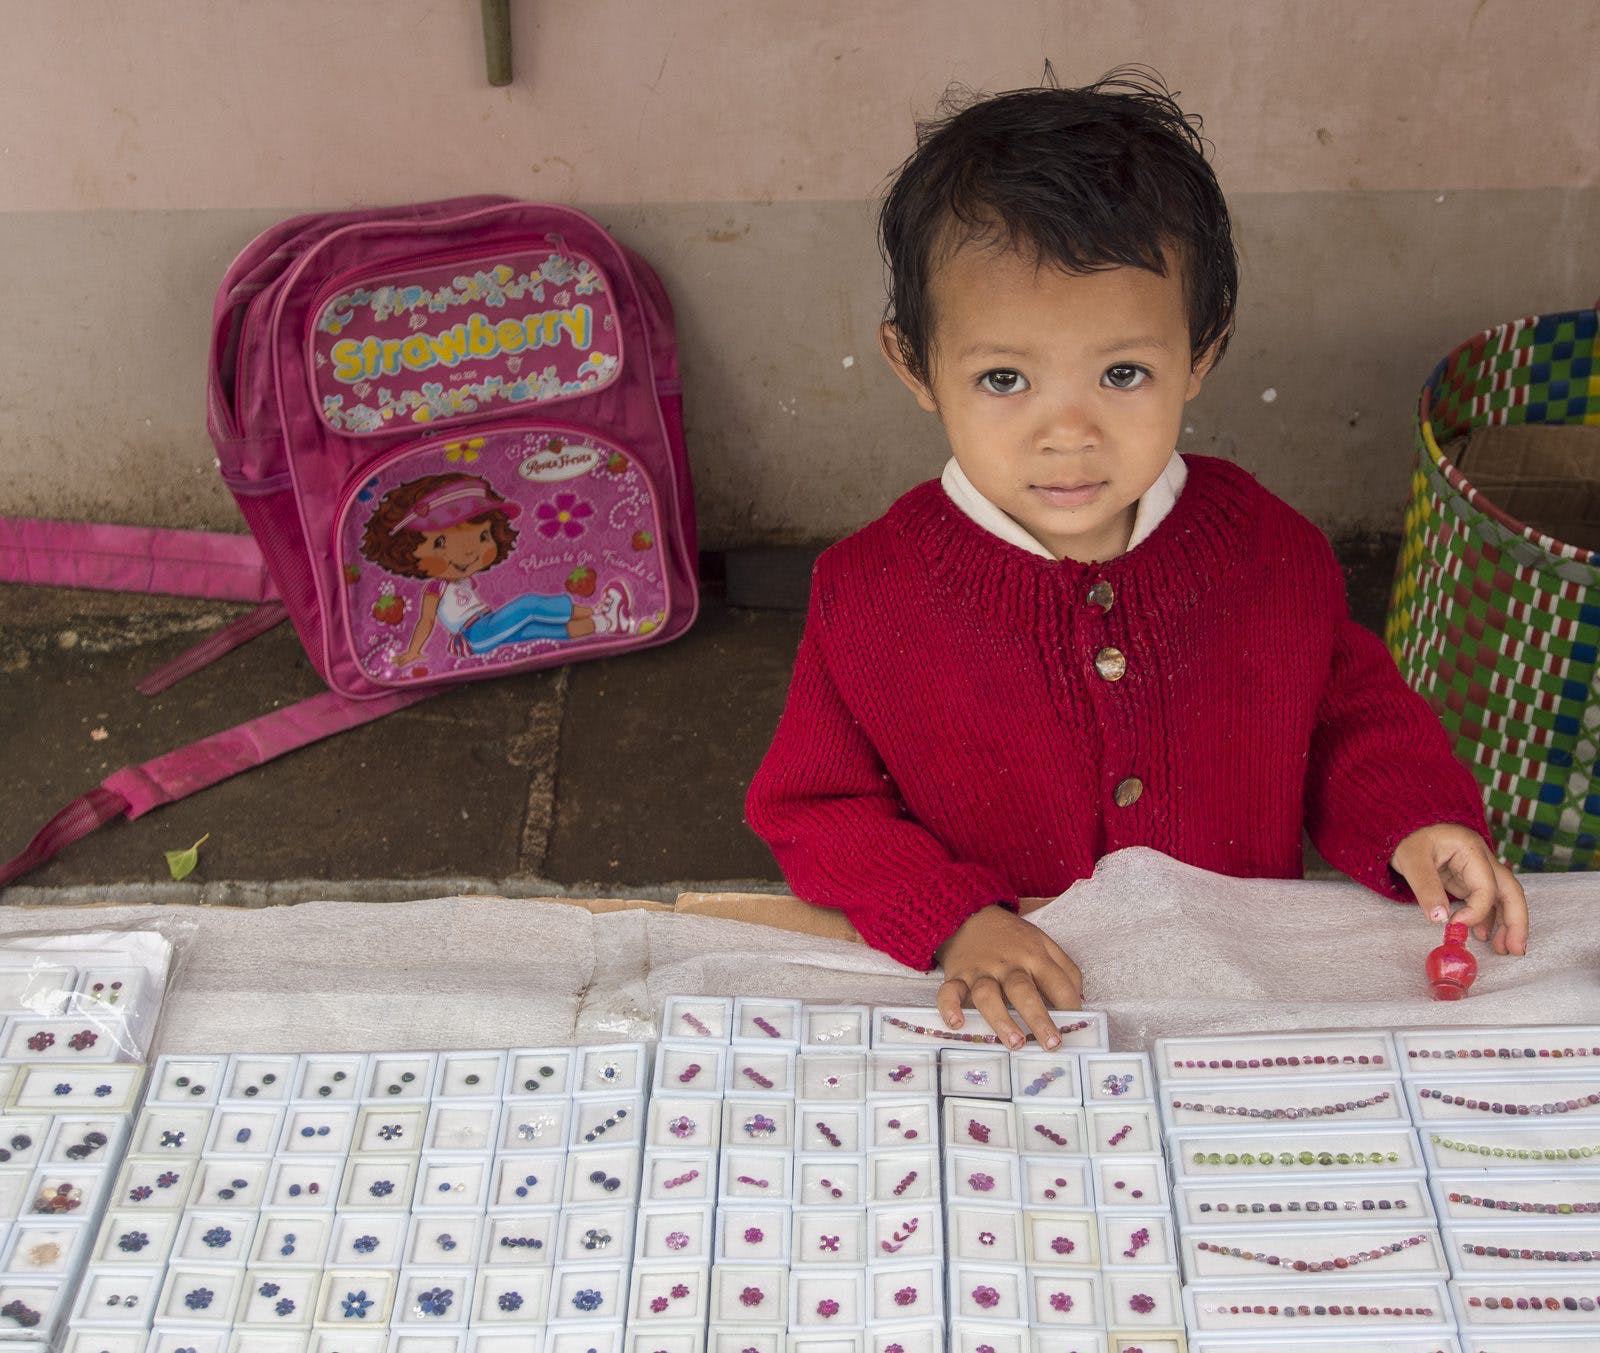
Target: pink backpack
x=455, y=431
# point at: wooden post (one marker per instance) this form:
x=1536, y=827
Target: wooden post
x=497, y=40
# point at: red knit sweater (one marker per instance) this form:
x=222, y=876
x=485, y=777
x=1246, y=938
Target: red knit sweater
x=950, y=741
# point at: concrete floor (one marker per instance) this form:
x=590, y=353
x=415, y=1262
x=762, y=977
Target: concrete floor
x=623, y=777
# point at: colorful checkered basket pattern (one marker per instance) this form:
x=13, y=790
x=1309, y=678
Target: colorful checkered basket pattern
x=1494, y=623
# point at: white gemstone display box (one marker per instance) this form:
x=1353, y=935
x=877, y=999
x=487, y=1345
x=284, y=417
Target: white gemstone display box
x=1542, y=1048
x=689, y=1069
x=1512, y=1148
x=708, y=1018
x=895, y=1027
x=1312, y=1154
x=835, y=1028
x=981, y=1073
x=1324, y=1103
x=903, y=1071
x=1297, y=1202
x=1292, y=1254
x=1353, y=1309
x=1554, y=1202
x=1482, y=1251
x=1278, y=1057
x=766, y=1022
x=1116, y=1077
x=1046, y=1078
x=1519, y=1099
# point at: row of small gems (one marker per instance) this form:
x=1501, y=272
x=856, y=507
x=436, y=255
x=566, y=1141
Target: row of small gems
x=1426, y=1312
x=1468, y=1054
x=1313, y=1265
x=1312, y=1111
x=1535, y=1303
x=1505, y=1205
x=1311, y=1205
x=959, y=1036
x=1548, y=1256
x=1520, y=1152
x=1519, y=1110
x=1272, y=1063
x=1266, y=1158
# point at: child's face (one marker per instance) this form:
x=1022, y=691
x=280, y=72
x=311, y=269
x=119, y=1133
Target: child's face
x=457, y=551
x=1061, y=394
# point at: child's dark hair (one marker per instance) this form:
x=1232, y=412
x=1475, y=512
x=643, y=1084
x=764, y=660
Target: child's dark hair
x=1110, y=175
x=394, y=547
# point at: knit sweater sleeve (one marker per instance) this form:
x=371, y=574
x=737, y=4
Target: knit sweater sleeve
x=825, y=804
x=1381, y=765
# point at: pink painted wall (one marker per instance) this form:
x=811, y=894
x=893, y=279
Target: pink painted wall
x=154, y=104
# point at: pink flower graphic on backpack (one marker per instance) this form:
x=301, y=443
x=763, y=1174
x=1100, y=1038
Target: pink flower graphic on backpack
x=566, y=516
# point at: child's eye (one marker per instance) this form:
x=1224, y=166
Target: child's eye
x=1004, y=381
x=438, y=542
x=1123, y=377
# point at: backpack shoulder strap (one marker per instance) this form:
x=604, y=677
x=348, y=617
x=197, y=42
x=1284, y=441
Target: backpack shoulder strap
x=135, y=790
x=213, y=564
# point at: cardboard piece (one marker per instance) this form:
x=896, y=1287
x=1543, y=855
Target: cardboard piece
x=1544, y=475
x=783, y=912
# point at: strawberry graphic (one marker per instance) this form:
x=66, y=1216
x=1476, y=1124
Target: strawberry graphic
x=580, y=582
x=643, y=540
x=616, y=463
x=388, y=609
x=352, y=573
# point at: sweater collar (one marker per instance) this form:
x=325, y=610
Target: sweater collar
x=1201, y=536
x=1152, y=509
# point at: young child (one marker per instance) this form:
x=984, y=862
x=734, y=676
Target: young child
x=1078, y=640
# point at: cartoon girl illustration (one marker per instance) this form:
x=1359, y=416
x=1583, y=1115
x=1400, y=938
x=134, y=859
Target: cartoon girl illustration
x=448, y=528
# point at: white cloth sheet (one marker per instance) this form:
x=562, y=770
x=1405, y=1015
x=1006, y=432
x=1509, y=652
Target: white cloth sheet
x=1166, y=950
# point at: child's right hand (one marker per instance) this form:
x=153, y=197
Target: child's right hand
x=998, y=960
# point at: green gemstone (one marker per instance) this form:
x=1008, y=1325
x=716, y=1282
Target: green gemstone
x=1230, y=1159
x=1285, y=1158
x=1343, y=1157
x=1306, y=1158
x=1324, y=1157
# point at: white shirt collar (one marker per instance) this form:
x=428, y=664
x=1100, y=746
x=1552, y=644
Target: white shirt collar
x=1158, y=500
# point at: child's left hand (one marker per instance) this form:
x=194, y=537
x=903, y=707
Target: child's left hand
x=1445, y=861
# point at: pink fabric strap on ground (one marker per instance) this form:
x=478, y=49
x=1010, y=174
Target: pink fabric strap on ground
x=213, y=646
x=211, y=564
x=181, y=772
x=72, y=823
x=135, y=790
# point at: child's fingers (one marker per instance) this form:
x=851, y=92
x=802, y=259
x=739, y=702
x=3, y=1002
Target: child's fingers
x=952, y=996
x=1511, y=935
x=1417, y=868
x=1022, y=992
x=989, y=999
x=1059, y=979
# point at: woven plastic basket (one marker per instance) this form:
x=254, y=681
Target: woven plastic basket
x=1493, y=622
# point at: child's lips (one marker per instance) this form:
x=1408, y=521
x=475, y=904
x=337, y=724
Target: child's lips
x=1068, y=495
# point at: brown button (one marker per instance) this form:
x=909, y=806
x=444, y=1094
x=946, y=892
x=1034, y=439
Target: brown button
x=1110, y=663
x=1102, y=595
x=1127, y=793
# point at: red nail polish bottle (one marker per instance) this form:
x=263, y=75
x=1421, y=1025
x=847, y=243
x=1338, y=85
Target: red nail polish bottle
x=1451, y=968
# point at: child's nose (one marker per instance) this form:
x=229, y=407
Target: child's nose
x=1069, y=424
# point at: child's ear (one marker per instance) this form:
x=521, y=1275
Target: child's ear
x=889, y=346
x=1202, y=368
